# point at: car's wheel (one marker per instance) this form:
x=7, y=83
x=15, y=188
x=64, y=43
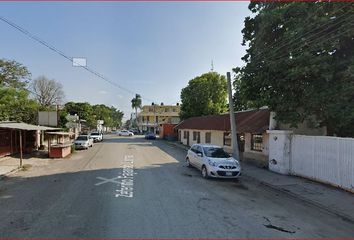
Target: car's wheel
x=205, y=172
x=188, y=162
x=119, y=134
x=130, y=135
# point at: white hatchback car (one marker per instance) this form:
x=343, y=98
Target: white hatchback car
x=213, y=161
x=125, y=133
x=83, y=142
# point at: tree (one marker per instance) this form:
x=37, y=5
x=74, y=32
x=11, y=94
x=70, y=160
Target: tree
x=204, y=95
x=47, y=92
x=111, y=116
x=136, y=103
x=83, y=110
x=15, y=105
x=299, y=62
x=13, y=74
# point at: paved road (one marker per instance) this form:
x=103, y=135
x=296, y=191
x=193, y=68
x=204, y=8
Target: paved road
x=82, y=197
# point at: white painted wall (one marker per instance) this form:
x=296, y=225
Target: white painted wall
x=325, y=159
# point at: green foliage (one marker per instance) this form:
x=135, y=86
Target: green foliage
x=136, y=103
x=299, y=62
x=13, y=74
x=16, y=106
x=111, y=116
x=204, y=95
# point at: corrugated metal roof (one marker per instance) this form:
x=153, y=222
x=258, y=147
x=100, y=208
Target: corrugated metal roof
x=252, y=121
x=24, y=126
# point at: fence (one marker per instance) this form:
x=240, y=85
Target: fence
x=326, y=159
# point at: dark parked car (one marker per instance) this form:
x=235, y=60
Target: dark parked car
x=150, y=135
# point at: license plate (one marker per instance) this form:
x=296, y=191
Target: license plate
x=228, y=173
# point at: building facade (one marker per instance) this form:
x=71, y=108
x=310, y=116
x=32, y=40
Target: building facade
x=252, y=136
x=152, y=116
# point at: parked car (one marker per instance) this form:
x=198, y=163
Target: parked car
x=125, y=133
x=135, y=131
x=96, y=136
x=83, y=142
x=150, y=135
x=213, y=161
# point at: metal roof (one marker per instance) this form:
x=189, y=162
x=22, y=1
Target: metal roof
x=251, y=121
x=61, y=133
x=24, y=126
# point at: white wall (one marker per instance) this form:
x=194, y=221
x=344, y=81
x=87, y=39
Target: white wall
x=325, y=159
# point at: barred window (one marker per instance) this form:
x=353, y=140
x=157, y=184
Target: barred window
x=257, y=142
x=208, y=137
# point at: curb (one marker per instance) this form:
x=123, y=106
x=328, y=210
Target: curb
x=308, y=201
x=2, y=176
x=289, y=193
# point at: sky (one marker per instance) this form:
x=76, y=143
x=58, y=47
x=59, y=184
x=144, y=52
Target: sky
x=150, y=48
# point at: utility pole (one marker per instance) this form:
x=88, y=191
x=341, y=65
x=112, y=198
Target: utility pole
x=235, y=152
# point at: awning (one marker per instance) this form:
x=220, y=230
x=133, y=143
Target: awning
x=25, y=126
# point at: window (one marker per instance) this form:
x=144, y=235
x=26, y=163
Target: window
x=199, y=150
x=194, y=149
x=196, y=136
x=227, y=139
x=257, y=142
x=184, y=134
x=208, y=137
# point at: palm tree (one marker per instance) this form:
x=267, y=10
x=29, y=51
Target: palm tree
x=136, y=103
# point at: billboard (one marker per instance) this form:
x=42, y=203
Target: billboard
x=48, y=118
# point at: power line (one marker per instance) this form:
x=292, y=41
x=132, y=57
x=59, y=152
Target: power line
x=300, y=36
x=51, y=47
x=323, y=39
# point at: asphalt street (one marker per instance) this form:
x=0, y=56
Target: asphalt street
x=129, y=187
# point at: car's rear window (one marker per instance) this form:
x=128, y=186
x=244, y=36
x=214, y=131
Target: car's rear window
x=81, y=138
x=215, y=152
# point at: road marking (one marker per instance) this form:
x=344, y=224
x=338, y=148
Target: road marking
x=125, y=180
x=107, y=180
x=127, y=183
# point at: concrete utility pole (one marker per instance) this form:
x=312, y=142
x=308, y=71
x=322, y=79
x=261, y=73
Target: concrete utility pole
x=234, y=142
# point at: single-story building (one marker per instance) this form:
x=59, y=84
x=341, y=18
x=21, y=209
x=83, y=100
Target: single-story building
x=14, y=135
x=251, y=126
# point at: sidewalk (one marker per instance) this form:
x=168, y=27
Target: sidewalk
x=8, y=165
x=332, y=199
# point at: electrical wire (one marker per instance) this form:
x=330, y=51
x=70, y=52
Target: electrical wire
x=51, y=47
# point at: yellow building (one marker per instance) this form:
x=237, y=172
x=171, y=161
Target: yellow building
x=151, y=116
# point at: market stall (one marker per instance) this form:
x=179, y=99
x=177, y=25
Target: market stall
x=59, y=144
